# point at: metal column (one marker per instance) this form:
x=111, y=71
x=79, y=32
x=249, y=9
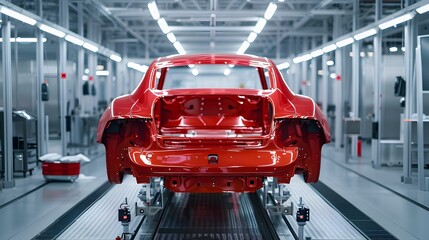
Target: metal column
x=325, y=76
x=92, y=64
x=410, y=36
x=375, y=144
x=304, y=78
x=108, y=85
x=355, y=75
x=420, y=118
x=42, y=138
x=337, y=86
x=62, y=60
x=80, y=56
x=313, y=75
x=9, y=182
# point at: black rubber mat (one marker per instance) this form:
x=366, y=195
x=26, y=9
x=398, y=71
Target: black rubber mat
x=365, y=224
x=213, y=216
x=61, y=224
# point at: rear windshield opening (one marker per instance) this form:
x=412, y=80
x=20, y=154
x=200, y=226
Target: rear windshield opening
x=212, y=76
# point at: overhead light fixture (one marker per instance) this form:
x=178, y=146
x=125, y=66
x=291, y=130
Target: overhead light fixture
x=284, y=65
x=396, y=21
x=297, y=60
x=163, y=25
x=153, y=9
x=231, y=65
x=271, y=9
x=74, y=40
x=329, y=48
x=194, y=72
x=344, y=42
x=393, y=49
x=115, y=58
x=226, y=72
x=191, y=65
x=365, y=34
x=18, y=16
x=333, y=75
x=90, y=47
x=179, y=48
x=317, y=53
x=27, y=40
x=244, y=46
x=138, y=67
x=403, y=49
x=252, y=36
x=23, y=40
x=171, y=37
x=423, y=9
x=52, y=30
x=306, y=57
x=330, y=63
x=102, y=73
x=260, y=25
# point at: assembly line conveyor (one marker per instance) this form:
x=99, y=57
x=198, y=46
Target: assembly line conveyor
x=208, y=216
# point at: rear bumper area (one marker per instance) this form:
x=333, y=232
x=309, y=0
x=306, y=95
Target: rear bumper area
x=213, y=170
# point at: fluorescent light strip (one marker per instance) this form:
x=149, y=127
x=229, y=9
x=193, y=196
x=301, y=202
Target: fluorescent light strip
x=271, y=9
x=90, y=47
x=252, y=36
x=115, y=58
x=18, y=16
x=284, y=65
x=74, y=40
x=244, y=46
x=297, y=60
x=317, y=53
x=163, y=25
x=194, y=72
x=171, y=37
x=344, y=42
x=52, y=30
x=227, y=71
x=329, y=48
x=396, y=21
x=306, y=57
x=153, y=9
x=423, y=9
x=102, y=73
x=260, y=25
x=23, y=40
x=393, y=49
x=138, y=67
x=179, y=48
x=367, y=33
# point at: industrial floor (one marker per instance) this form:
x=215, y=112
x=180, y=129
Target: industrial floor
x=401, y=209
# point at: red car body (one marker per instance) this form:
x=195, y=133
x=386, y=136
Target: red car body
x=275, y=133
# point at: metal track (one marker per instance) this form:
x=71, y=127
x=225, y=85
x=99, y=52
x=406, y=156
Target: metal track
x=215, y=216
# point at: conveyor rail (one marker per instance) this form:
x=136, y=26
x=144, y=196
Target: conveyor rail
x=215, y=216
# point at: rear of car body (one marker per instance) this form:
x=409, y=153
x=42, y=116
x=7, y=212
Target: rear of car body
x=213, y=139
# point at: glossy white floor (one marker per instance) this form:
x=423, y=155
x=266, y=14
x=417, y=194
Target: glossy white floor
x=356, y=181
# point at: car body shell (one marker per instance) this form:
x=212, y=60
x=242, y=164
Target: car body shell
x=146, y=133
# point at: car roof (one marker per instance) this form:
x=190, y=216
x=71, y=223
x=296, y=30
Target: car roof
x=239, y=59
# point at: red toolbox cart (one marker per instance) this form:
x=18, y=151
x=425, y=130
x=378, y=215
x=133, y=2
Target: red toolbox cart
x=60, y=170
